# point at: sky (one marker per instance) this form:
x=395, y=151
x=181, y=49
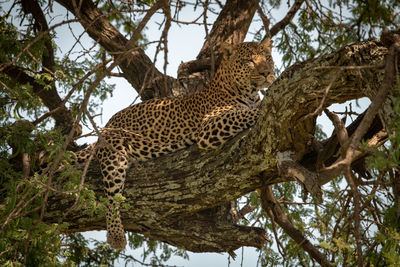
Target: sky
x=184, y=43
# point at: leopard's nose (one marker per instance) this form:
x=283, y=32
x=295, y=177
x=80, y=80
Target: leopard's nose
x=271, y=76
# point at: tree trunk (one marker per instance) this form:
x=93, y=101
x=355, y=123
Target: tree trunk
x=174, y=198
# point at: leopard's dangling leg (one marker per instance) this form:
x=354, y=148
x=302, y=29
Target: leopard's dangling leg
x=113, y=162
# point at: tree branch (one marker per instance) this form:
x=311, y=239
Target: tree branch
x=33, y=7
x=380, y=95
x=388, y=83
x=50, y=98
x=135, y=68
x=287, y=19
x=231, y=25
x=292, y=170
x=169, y=196
x=269, y=203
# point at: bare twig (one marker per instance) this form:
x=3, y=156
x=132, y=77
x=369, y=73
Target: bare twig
x=326, y=91
x=76, y=86
x=265, y=21
x=287, y=19
x=143, y=22
x=208, y=38
x=40, y=36
x=340, y=128
x=357, y=213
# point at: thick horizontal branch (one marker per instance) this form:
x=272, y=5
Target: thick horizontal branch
x=169, y=197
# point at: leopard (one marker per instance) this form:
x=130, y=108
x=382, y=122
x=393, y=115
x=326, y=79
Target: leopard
x=208, y=118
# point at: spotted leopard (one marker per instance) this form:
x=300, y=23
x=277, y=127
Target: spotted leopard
x=208, y=118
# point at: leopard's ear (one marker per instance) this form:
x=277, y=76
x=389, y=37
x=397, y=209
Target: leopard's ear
x=226, y=49
x=267, y=44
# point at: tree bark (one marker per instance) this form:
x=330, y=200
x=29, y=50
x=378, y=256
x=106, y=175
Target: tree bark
x=174, y=198
x=231, y=25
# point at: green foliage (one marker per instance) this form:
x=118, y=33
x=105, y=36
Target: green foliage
x=326, y=26
x=318, y=28
x=329, y=226
x=76, y=252
x=24, y=239
x=386, y=160
x=9, y=46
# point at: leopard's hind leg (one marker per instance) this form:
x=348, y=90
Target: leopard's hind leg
x=113, y=160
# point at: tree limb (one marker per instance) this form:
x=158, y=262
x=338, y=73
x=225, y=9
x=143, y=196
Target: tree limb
x=269, y=203
x=287, y=19
x=231, y=25
x=50, y=97
x=33, y=7
x=135, y=68
x=380, y=96
x=169, y=196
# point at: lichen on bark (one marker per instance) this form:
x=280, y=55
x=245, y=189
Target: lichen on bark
x=180, y=198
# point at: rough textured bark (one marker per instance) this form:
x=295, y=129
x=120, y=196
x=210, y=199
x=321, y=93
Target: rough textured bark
x=174, y=198
x=231, y=25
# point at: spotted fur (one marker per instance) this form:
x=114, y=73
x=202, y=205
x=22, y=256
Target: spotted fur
x=153, y=128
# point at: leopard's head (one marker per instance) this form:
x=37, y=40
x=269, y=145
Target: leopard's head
x=249, y=65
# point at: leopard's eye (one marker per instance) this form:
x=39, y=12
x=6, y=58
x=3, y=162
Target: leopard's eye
x=249, y=60
x=250, y=63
